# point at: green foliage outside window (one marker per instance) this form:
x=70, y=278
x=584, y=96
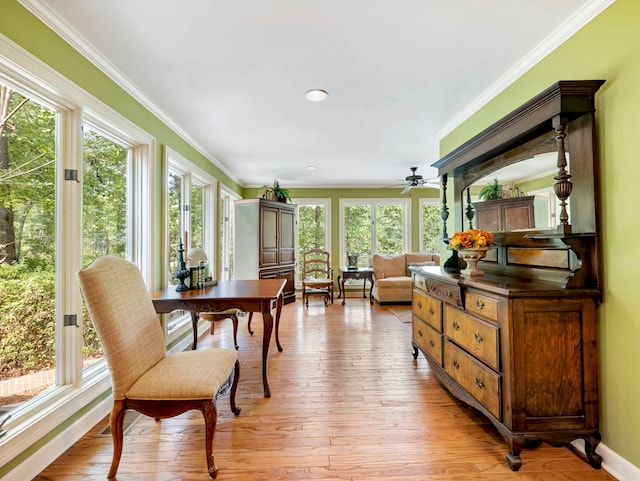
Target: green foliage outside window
x=28, y=227
x=357, y=232
x=311, y=230
x=390, y=229
x=431, y=222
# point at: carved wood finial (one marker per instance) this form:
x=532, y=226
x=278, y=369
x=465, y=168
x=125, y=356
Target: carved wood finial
x=444, y=211
x=470, y=212
x=563, y=185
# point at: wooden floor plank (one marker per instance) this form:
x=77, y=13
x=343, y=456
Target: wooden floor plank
x=349, y=403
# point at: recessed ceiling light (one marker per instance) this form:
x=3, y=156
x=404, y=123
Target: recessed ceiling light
x=310, y=167
x=316, y=95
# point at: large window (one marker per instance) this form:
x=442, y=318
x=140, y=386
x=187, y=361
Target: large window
x=314, y=219
x=191, y=221
x=28, y=131
x=373, y=227
x=74, y=185
x=104, y=213
x=430, y=226
x=227, y=232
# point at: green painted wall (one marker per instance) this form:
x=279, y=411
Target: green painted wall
x=607, y=48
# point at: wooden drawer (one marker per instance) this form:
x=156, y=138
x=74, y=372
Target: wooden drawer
x=481, y=305
x=427, y=339
x=477, y=337
x=428, y=308
x=474, y=377
x=449, y=293
x=419, y=282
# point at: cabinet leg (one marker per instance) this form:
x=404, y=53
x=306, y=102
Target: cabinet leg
x=415, y=352
x=590, y=445
x=515, y=448
x=590, y=456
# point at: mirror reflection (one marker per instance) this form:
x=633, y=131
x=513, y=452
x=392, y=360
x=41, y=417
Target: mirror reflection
x=516, y=197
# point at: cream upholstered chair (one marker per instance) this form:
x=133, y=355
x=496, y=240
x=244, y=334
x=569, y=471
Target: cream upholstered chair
x=144, y=377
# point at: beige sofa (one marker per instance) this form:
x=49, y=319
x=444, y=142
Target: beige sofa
x=391, y=275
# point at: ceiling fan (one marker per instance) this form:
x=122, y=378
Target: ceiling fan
x=415, y=180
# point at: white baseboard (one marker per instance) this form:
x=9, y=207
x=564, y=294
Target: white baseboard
x=616, y=465
x=40, y=459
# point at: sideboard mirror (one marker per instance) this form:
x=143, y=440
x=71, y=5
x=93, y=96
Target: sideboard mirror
x=544, y=155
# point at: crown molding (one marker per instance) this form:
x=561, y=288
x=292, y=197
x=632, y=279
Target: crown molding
x=58, y=25
x=574, y=23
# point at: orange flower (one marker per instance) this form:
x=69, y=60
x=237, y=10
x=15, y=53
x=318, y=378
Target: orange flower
x=471, y=239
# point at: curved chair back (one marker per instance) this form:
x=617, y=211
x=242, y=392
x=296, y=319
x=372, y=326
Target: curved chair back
x=127, y=324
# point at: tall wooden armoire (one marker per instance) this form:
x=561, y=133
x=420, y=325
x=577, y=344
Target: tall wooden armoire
x=265, y=242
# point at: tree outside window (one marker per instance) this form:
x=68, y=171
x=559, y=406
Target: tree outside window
x=104, y=214
x=27, y=241
x=312, y=230
x=357, y=233
x=431, y=223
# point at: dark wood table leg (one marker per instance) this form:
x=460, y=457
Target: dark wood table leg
x=370, y=289
x=339, y=288
x=194, y=324
x=344, y=294
x=266, y=339
x=279, y=304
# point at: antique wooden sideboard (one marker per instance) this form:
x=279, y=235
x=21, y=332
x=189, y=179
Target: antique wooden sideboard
x=519, y=343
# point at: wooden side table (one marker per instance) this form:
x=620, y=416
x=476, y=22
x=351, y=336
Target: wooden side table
x=364, y=273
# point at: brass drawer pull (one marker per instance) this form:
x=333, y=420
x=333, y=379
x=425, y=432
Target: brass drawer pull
x=419, y=304
x=431, y=311
x=431, y=343
x=479, y=383
x=456, y=364
x=456, y=326
x=479, y=304
x=478, y=338
x=419, y=333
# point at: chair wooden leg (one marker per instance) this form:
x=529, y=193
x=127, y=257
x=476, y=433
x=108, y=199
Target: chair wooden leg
x=210, y=419
x=234, y=387
x=116, y=422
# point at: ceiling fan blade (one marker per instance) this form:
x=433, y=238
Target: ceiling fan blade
x=406, y=189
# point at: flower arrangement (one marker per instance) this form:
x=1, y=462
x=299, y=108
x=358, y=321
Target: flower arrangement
x=471, y=239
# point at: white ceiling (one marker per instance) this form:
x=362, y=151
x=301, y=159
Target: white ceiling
x=231, y=75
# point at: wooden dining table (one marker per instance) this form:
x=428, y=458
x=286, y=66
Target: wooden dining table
x=260, y=295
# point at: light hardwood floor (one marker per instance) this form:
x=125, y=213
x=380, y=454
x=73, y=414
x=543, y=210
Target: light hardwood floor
x=348, y=403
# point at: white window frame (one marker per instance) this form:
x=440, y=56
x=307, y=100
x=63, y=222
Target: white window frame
x=190, y=174
x=228, y=198
x=73, y=387
x=374, y=203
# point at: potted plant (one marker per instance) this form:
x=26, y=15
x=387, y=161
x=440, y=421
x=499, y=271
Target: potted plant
x=280, y=193
x=491, y=191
